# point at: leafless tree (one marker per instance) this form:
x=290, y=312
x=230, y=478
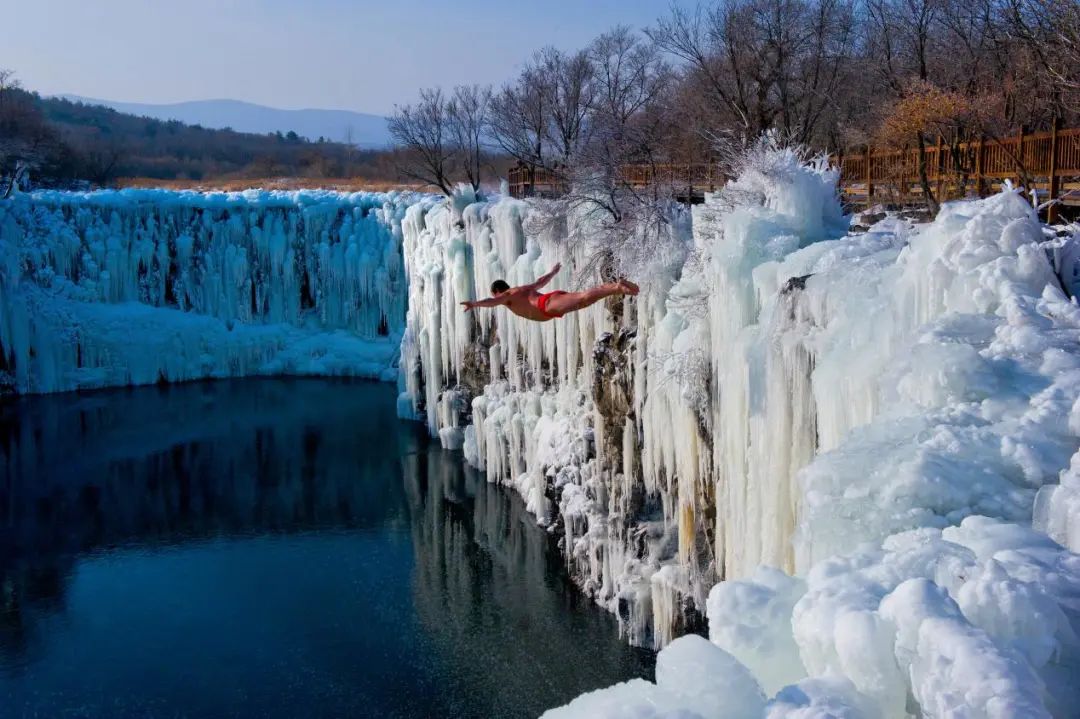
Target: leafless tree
x=629, y=77
x=569, y=93
x=824, y=73
x=101, y=159
x=583, y=117
x=467, y=121
x=422, y=130
x=765, y=63
x=520, y=117
x=902, y=35
x=542, y=117
x=8, y=82
x=1050, y=31
x=624, y=123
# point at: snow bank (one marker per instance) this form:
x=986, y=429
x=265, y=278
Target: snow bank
x=139, y=286
x=694, y=680
x=850, y=430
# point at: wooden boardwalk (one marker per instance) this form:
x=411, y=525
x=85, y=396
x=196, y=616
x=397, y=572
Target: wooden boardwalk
x=1048, y=162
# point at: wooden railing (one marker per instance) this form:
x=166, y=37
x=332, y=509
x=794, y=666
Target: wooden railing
x=1048, y=162
x=528, y=181
x=683, y=179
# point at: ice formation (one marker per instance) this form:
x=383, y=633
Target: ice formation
x=848, y=448
x=140, y=286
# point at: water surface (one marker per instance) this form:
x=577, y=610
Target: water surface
x=273, y=548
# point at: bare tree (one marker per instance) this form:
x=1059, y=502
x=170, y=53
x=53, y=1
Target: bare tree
x=569, y=96
x=705, y=40
x=541, y=119
x=520, y=117
x=8, y=82
x=613, y=115
x=422, y=130
x=764, y=63
x=101, y=159
x=1049, y=31
x=629, y=78
x=824, y=73
x=902, y=32
x=467, y=121
x=350, y=151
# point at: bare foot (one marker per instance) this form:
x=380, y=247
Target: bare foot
x=629, y=287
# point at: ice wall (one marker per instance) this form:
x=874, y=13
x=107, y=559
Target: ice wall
x=611, y=421
x=545, y=408
x=139, y=286
x=847, y=431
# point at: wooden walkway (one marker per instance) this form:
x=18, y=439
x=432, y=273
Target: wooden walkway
x=1049, y=162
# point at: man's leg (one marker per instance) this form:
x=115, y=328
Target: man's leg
x=574, y=301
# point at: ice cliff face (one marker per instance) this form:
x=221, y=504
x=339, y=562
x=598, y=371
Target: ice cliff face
x=832, y=443
x=139, y=286
x=633, y=429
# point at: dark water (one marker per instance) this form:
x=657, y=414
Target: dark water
x=273, y=548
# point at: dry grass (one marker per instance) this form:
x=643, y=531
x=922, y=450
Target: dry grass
x=340, y=184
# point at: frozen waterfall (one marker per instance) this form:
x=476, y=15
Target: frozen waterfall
x=138, y=286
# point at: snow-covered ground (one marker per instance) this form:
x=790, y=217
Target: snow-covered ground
x=849, y=430
x=139, y=286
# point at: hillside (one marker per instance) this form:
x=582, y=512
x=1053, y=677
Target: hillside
x=63, y=142
x=364, y=130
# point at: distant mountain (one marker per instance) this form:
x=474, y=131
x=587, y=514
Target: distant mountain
x=368, y=131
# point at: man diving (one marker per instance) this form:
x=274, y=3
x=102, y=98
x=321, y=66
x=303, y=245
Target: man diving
x=527, y=301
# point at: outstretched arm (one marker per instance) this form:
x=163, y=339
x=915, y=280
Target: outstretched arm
x=546, y=277
x=489, y=302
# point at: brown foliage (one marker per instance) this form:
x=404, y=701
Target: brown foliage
x=923, y=109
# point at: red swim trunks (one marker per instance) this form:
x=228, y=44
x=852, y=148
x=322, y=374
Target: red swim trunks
x=542, y=301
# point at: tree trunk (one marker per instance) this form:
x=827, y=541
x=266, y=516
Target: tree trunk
x=924, y=178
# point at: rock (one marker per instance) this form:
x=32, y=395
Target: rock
x=795, y=284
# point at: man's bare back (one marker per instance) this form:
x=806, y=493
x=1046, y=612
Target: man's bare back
x=529, y=302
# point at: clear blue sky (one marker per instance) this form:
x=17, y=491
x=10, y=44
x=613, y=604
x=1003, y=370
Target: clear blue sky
x=360, y=55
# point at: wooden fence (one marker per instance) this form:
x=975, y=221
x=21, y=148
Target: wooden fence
x=1048, y=162
x=685, y=180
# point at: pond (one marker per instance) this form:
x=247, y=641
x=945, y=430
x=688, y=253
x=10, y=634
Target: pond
x=274, y=548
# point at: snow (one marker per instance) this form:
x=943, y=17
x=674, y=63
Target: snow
x=751, y=619
x=965, y=619
x=978, y=354
x=821, y=698
x=710, y=681
x=139, y=286
x=1057, y=506
x=694, y=680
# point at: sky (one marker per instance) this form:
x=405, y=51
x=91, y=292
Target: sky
x=357, y=55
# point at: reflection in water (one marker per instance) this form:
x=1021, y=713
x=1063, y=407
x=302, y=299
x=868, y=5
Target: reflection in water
x=490, y=585
x=273, y=548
